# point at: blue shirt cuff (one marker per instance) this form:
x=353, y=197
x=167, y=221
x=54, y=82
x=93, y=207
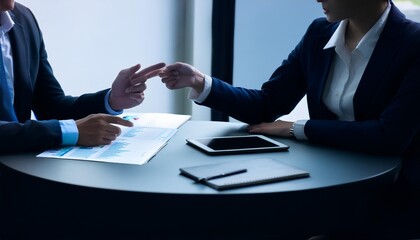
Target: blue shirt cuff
x=108, y=107
x=69, y=132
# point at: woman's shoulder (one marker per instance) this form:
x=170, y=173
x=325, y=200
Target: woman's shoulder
x=322, y=26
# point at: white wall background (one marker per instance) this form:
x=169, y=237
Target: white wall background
x=409, y=8
x=266, y=32
x=90, y=41
x=201, y=55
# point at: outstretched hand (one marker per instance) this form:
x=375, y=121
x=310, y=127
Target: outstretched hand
x=181, y=75
x=128, y=88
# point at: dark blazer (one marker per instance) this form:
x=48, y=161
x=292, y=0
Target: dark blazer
x=386, y=103
x=38, y=90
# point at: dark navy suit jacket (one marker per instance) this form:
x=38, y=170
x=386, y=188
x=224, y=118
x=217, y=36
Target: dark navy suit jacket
x=386, y=102
x=37, y=89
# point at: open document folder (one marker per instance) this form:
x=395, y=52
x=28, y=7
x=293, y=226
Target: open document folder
x=135, y=145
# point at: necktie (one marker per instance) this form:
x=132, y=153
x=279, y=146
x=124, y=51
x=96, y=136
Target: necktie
x=7, y=113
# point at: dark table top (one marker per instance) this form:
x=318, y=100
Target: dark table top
x=328, y=167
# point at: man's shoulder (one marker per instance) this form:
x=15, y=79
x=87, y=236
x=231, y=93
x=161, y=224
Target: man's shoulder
x=24, y=17
x=21, y=11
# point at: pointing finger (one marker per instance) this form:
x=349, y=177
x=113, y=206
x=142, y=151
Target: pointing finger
x=151, y=69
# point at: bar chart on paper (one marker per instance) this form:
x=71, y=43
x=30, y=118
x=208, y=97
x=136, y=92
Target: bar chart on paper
x=135, y=145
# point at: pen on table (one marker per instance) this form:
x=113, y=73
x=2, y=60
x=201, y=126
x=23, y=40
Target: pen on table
x=225, y=174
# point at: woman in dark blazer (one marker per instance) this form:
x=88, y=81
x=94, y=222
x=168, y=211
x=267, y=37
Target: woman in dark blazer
x=360, y=70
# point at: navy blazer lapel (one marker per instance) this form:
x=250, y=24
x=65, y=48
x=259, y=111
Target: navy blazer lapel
x=22, y=83
x=320, y=77
x=380, y=61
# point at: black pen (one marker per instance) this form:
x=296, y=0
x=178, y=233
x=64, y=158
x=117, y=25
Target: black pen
x=225, y=174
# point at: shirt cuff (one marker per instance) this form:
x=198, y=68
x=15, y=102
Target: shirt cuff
x=108, y=107
x=201, y=97
x=69, y=132
x=299, y=129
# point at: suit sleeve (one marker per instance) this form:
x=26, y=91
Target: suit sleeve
x=29, y=136
x=277, y=97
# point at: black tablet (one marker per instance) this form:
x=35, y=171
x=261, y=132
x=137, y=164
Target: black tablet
x=236, y=144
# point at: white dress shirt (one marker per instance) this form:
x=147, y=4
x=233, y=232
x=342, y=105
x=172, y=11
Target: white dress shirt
x=348, y=67
x=6, y=24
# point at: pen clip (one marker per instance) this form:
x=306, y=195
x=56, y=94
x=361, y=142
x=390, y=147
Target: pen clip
x=221, y=175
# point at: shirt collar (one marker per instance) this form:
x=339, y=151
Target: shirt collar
x=6, y=22
x=338, y=37
x=368, y=41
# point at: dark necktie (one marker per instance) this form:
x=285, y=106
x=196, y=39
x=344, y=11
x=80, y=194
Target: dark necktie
x=7, y=113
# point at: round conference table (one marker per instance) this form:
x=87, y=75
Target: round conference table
x=73, y=198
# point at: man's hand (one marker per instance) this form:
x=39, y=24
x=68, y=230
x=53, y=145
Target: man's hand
x=96, y=129
x=277, y=128
x=128, y=88
x=181, y=75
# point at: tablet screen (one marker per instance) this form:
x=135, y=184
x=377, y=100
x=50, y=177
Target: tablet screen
x=237, y=144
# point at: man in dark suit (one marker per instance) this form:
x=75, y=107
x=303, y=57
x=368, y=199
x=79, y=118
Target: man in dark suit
x=28, y=84
x=360, y=70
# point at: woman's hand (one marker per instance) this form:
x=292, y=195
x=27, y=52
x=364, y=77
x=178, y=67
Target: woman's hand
x=277, y=128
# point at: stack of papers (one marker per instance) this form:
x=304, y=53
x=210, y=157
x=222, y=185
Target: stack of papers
x=135, y=145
